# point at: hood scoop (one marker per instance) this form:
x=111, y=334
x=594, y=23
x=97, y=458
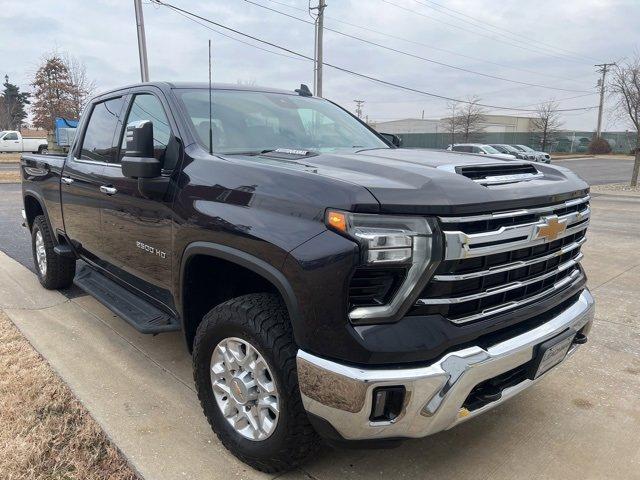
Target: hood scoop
x=500, y=174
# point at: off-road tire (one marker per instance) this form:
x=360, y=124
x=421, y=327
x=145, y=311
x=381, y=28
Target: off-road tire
x=262, y=320
x=60, y=270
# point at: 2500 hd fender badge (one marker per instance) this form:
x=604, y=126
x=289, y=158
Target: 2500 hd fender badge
x=150, y=249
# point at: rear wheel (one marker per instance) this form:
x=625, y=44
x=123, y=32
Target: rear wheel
x=244, y=362
x=54, y=271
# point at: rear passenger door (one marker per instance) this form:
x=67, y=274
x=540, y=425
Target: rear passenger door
x=82, y=176
x=137, y=228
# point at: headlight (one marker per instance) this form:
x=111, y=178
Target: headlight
x=394, y=241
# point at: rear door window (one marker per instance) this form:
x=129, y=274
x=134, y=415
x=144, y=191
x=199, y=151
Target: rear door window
x=98, y=143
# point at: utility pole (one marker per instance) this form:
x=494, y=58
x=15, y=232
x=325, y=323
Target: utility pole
x=317, y=63
x=359, y=104
x=142, y=41
x=604, y=68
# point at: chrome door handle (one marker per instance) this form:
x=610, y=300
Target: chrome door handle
x=67, y=180
x=108, y=190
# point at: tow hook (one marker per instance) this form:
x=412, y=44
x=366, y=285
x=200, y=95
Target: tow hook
x=580, y=339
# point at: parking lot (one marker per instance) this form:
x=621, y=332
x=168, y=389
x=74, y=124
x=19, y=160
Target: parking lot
x=579, y=423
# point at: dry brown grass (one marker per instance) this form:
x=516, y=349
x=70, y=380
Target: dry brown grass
x=10, y=157
x=9, y=176
x=45, y=433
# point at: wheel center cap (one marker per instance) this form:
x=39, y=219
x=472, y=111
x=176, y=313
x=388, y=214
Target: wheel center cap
x=239, y=390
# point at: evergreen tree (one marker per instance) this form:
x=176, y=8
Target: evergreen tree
x=53, y=93
x=12, y=106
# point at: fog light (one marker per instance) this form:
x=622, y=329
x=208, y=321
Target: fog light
x=387, y=403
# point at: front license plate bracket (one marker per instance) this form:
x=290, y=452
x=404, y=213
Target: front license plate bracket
x=551, y=352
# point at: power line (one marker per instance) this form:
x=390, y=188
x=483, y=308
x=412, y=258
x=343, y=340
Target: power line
x=343, y=69
x=483, y=24
x=439, y=21
x=229, y=36
x=412, y=55
x=440, y=49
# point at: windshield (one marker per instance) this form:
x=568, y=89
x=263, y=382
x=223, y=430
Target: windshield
x=489, y=149
x=246, y=121
x=526, y=149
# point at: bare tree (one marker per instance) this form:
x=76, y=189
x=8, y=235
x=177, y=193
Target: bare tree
x=471, y=118
x=546, y=123
x=82, y=86
x=451, y=124
x=625, y=86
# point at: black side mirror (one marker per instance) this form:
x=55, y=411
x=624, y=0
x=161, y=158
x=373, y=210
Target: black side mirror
x=138, y=161
x=392, y=139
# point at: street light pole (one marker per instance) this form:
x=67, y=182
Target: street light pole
x=142, y=41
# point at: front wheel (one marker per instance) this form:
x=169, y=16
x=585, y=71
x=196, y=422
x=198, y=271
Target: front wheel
x=244, y=360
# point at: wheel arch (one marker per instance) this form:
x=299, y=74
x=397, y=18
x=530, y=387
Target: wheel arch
x=242, y=260
x=34, y=206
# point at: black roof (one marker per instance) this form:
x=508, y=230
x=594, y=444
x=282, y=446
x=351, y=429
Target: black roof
x=216, y=86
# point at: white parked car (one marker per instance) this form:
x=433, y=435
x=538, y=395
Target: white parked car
x=13, y=141
x=539, y=156
x=479, y=148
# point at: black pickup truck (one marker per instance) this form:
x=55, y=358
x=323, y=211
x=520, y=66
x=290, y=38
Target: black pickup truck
x=328, y=283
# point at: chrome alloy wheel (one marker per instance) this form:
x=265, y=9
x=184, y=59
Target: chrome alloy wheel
x=41, y=254
x=244, y=388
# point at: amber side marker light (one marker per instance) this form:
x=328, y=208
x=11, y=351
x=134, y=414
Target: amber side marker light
x=336, y=220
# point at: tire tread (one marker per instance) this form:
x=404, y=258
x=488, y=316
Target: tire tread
x=265, y=315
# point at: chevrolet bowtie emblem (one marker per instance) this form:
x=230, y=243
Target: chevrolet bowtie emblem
x=551, y=228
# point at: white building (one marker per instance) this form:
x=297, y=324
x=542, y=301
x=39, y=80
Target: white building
x=492, y=123
x=409, y=125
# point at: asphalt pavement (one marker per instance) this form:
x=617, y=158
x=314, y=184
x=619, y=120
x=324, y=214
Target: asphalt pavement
x=599, y=171
x=14, y=238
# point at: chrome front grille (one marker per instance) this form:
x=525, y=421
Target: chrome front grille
x=498, y=262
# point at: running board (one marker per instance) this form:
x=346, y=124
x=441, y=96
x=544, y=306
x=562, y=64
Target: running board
x=140, y=314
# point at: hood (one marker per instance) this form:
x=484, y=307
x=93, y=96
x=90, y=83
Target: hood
x=422, y=181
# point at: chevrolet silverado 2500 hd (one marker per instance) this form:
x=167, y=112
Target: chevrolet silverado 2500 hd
x=328, y=284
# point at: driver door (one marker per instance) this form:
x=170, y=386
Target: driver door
x=137, y=230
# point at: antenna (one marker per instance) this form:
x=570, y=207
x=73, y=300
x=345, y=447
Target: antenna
x=210, y=113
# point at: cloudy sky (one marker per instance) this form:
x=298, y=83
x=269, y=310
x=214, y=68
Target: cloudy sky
x=549, y=43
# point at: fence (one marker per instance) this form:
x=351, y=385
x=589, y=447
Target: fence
x=566, y=141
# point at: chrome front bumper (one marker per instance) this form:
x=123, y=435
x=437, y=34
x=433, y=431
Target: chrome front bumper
x=343, y=395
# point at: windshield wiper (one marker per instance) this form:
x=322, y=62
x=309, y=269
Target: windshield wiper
x=248, y=152
x=286, y=151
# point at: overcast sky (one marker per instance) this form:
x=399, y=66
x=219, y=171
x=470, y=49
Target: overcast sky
x=551, y=43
